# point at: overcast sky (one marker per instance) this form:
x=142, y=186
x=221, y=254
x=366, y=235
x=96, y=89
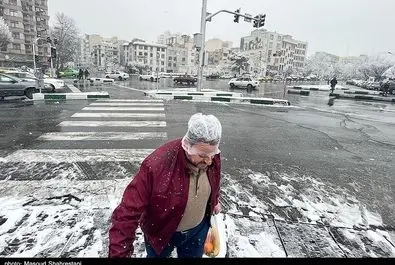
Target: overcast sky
x=341, y=27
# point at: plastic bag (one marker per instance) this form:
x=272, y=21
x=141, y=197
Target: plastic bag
x=212, y=243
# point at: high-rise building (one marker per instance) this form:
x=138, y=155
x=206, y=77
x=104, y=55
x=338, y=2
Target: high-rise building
x=28, y=23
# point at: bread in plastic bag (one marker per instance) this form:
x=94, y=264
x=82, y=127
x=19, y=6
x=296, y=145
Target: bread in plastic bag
x=212, y=243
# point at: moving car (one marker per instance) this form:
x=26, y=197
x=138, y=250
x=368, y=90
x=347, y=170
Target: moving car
x=50, y=84
x=14, y=86
x=243, y=82
x=185, y=79
x=150, y=77
x=117, y=75
x=68, y=73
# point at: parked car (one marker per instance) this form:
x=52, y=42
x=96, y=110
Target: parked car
x=50, y=84
x=390, y=86
x=266, y=78
x=149, y=77
x=68, y=73
x=14, y=86
x=118, y=75
x=213, y=77
x=185, y=79
x=243, y=82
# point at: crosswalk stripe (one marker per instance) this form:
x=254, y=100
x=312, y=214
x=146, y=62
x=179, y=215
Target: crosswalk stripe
x=77, y=155
x=113, y=124
x=114, y=104
x=124, y=108
x=100, y=136
x=118, y=115
x=128, y=100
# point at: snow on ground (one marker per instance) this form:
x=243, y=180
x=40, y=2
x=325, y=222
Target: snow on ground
x=70, y=218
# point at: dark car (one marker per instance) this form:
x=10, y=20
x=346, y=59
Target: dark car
x=388, y=87
x=13, y=86
x=185, y=79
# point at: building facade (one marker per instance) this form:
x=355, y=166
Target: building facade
x=151, y=56
x=273, y=53
x=28, y=23
x=100, y=52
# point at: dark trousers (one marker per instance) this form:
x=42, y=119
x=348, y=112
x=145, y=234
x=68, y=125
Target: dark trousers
x=189, y=243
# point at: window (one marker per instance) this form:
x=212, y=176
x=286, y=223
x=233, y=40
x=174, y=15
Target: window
x=174, y=65
x=162, y=56
x=140, y=53
x=16, y=46
x=162, y=63
x=14, y=24
x=169, y=65
x=16, y=35
x=271, y=37
x=145, y=48
x=151, y=55
x=170, y=58
x=145, y=54
x=13, y=13
x=158, y=49
x=5, y=79
x=163, y=49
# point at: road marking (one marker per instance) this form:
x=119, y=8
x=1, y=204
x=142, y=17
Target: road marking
x=77, y=155
x=100, y=136
x=118, y=115
x=124, y=108
x=113, y=123
x=130, y=100
x=126, y=104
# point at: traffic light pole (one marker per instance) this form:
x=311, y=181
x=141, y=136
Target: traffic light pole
x=202, y=44
x=204, y=19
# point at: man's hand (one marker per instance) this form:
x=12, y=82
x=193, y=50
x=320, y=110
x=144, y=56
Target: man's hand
x=217, y=208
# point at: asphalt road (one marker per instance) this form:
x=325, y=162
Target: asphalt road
x=349, y=145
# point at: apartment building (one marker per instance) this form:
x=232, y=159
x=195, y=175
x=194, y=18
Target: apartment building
x=28, y=23
x=272, y=52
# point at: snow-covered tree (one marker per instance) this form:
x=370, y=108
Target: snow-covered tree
x=5, y=34
x=137, y=67
x=239, y=62
x=66, y=33
x=374, y=67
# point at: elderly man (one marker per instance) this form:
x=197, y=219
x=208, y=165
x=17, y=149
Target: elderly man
x=173, y=195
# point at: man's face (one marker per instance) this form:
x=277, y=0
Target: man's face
x=203, y=155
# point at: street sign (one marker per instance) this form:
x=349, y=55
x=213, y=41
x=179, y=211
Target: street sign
x=247, y=18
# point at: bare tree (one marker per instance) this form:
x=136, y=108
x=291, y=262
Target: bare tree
x=66, y=33
x=5, y=34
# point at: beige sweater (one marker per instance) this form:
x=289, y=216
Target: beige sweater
x=199, y=193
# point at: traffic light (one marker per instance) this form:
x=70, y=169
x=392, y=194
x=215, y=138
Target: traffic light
x=262, y=21
x=256, y=21
x=53, y=52
x=236, y=20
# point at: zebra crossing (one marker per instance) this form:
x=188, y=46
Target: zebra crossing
x=107, y=139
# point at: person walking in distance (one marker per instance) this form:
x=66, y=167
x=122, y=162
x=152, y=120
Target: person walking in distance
x=333, y=84
x=173, y=195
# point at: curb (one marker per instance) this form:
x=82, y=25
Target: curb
x=216, y=97
x=363, y=97
x=300, y=92
x=317, y=88
x=68, y=96
x=362, y=92
x=73, y=88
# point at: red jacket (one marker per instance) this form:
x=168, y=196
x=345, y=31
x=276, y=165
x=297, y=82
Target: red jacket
x=156, y=199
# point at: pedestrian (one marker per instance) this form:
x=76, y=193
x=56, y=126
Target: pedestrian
x=386, y=88
x=86, y=73
x=333, y=84
x=80, y=74
x=57, y=73
x=173, y=195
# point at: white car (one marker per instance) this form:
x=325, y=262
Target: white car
x=243, y=82
x=150, y=77
x=51, y=83
x=117, y=75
